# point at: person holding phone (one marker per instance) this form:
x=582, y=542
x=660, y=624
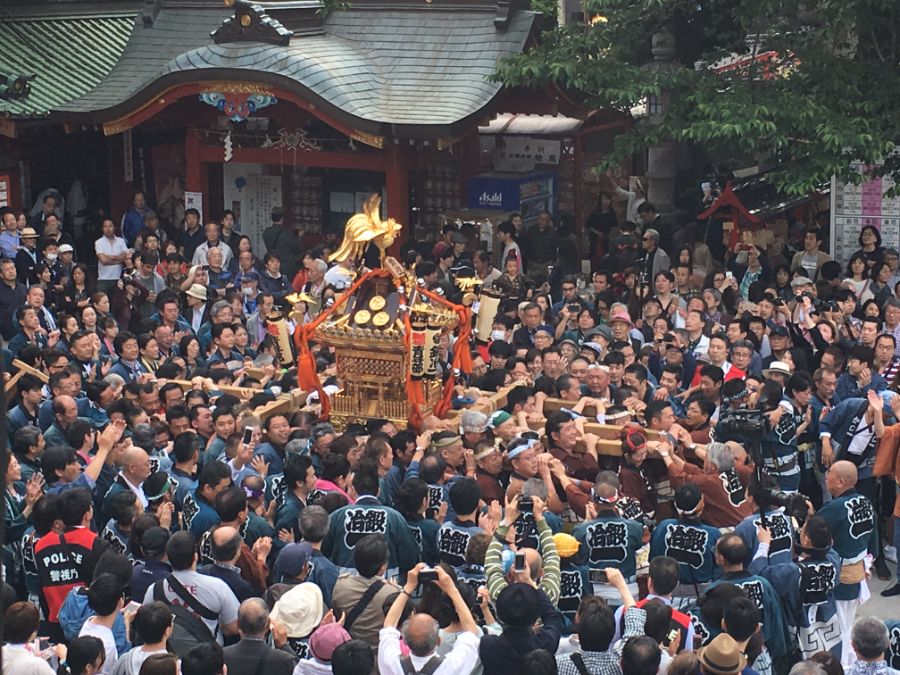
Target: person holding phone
x=542, y=568
x=421, y=631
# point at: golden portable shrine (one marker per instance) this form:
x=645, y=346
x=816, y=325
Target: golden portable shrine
x=387, y=332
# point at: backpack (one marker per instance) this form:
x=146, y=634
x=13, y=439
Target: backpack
x=428, y=669
x=187, y=630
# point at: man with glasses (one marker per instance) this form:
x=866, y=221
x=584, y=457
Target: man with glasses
x=655, y=259
x=569, y=295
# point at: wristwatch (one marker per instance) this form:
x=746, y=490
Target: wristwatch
x=664, y=454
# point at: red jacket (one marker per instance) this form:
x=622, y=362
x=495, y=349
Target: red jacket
x=65, y=561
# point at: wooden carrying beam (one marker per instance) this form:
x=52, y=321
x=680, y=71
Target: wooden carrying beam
x=25, y=368
x=610, y=434
x=13, y=381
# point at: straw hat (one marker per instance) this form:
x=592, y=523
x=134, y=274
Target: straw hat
x=722, y=656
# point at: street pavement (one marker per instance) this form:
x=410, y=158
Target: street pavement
x=883, y=608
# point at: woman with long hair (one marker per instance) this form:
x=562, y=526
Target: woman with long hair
x=782, y=276
x=68, y=326
x=76, y=295
x=100, y=303
x=880, y=288
x=242, y=342
x=109, y=331
x=189, y=349
x=857, y=278
x=88, y=316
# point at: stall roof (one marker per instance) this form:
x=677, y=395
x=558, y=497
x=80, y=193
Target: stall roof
x=377, y=66
x=532, y=125
x=764, y=200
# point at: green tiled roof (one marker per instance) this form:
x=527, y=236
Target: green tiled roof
x=380, y=68
x=70, y=56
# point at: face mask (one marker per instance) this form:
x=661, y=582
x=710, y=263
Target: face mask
x=247, y=291
x=498, y=335
x=52, y=257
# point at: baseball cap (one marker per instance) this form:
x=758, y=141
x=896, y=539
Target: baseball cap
x=292, y=559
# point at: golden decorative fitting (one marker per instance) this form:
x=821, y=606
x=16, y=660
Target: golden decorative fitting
x=365, y=228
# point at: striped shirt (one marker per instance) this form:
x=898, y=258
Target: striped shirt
x=493, y=567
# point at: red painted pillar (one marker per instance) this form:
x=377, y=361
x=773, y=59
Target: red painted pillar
x=194, y=170
x=397, y=185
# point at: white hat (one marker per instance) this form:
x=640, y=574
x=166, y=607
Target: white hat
x=66, y=248
x=300, y=609
x=777, y=367
x=197, y=291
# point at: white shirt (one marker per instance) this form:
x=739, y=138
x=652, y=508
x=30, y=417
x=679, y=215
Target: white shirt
x=17, y=660
x=137, y=490
x=113, y=247
x=201, y=254
x=461, y=659
x=212, y=593
x=109, y=643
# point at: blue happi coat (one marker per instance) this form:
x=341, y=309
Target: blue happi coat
x=367, y=516
x=806, y=590
x=453, y=539
x=779, y=450
x=851, y=518
x=691, y=543
x=610, y=541
x=761, y=592
x=777, y=523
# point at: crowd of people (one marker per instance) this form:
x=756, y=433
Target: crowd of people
x=160, y=519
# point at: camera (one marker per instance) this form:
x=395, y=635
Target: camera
x=427, y=575
x=574, y=308
x=794, y=504
x=526, y=505
x=741, y=422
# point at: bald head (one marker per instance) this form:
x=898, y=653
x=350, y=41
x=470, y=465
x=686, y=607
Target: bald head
x=135, y=464
x=843, y=476
x=534, y=561
x=65, y=409
x=225, y=544
x=253, y=616
x=420, y=632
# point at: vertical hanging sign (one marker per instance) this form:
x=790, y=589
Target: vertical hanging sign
x=128, y=156
x=194, y=200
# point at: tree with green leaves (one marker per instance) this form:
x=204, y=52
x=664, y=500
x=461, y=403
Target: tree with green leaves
x=803, y=87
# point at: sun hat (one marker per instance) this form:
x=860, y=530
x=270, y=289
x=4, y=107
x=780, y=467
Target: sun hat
x=779, y=367
x=197, y=291
x=300, y=609
x=722, y=656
